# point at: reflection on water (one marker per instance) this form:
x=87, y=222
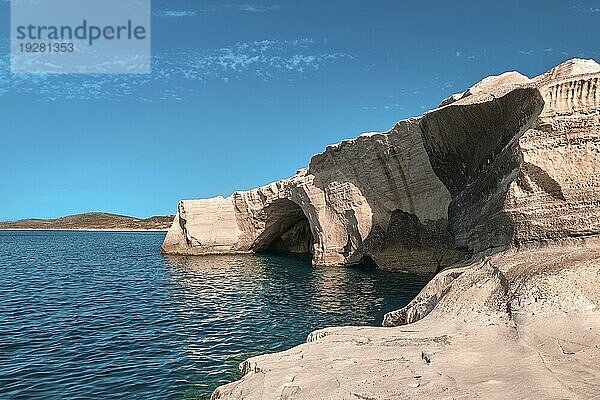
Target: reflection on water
x=105, y=315
x=246, y=305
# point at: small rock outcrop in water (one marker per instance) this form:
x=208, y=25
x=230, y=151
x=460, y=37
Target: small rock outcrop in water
x=510, y=161
x=497, y=189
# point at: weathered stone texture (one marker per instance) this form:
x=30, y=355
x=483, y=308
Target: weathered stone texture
x=500, y=186
x=512, y=160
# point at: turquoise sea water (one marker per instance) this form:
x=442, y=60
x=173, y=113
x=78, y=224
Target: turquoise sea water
x=95, y=315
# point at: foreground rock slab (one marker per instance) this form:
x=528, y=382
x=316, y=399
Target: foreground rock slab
x=519, y=325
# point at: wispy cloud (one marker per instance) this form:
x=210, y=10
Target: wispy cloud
x=584, y=8
x=214, y=7
x=175, y=73
x=394, y=106
x=461, y=54
x=265, y=59
x=257, y=8
x=174, y=13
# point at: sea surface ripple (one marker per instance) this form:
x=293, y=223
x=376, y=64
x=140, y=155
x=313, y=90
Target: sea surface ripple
x=103, y=315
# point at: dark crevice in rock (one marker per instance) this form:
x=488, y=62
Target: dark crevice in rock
x=423, y=247
x=541, y=179
x=296, y=240
x=183, y=223
x=287, y=230
x=366, y=262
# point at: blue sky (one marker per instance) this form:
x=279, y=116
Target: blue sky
x=244, y=93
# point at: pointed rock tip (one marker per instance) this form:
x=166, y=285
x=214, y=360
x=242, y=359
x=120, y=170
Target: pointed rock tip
x=572, y=67
x=488, y=84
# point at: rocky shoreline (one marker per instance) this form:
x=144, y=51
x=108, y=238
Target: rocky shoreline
x=516, y=325
x=496, y=192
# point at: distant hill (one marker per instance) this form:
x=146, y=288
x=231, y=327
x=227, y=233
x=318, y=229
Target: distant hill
x=93, y=220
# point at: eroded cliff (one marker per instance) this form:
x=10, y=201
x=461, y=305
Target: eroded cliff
x=376, y=196
x=518, y=317
x=512, y=160
x=498, y=190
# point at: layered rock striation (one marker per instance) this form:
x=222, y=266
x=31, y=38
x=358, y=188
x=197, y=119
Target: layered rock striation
x=511, y=161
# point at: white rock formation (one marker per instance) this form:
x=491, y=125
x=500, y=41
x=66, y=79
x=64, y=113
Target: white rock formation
x=500, y=184
x=358, y=197
x=509, y=161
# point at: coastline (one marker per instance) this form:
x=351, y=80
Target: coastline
x=91, y=221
